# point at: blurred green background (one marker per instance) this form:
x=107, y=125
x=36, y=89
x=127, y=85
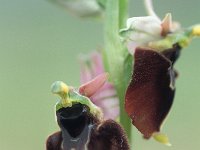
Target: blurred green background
x=39, y=43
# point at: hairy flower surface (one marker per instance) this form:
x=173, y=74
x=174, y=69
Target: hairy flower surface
x=106, y=97
x=87, y=115
x=150, y=94
x=80, y=121
x=155, y=46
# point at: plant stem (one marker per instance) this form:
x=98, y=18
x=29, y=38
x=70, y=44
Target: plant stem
x=115, y=53
x=123, y=12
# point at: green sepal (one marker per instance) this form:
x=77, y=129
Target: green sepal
x=162, y=138
x=75, y=98
x=183, y=39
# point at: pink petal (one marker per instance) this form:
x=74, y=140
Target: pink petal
x=166, y=24
x=104, y=95
x=91, y=87
x=97, y=65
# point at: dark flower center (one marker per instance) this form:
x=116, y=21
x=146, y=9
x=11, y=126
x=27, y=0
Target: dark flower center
x=73, y=119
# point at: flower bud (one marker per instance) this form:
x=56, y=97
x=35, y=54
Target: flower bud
x=81, y=8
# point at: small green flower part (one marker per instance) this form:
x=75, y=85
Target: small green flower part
x=196, y=30
x=162, y=138
x=182, y=38
x=69, y=97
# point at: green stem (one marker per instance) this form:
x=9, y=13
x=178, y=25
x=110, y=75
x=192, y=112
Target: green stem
x=123, y=12
x=115, y=53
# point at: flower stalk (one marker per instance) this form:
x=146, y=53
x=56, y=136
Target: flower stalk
x=115, y=53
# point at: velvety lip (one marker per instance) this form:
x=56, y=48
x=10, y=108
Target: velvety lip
x=150, y=94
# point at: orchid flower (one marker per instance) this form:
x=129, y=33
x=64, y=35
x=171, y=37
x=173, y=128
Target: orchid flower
x=87, y=115
x=151, y=91
x=106, y=97
x=80, y=120
x=156, y=45
x=140, y=31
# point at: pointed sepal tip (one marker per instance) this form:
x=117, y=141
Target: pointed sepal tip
x=162, y=138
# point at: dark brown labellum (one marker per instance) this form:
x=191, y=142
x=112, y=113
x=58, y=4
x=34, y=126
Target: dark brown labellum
x=80, y=131
x=108, y=135
x=150, y=93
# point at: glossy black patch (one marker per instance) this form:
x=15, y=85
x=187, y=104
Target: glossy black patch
x=73, y=119
x=106, y=135
x=150, y=93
